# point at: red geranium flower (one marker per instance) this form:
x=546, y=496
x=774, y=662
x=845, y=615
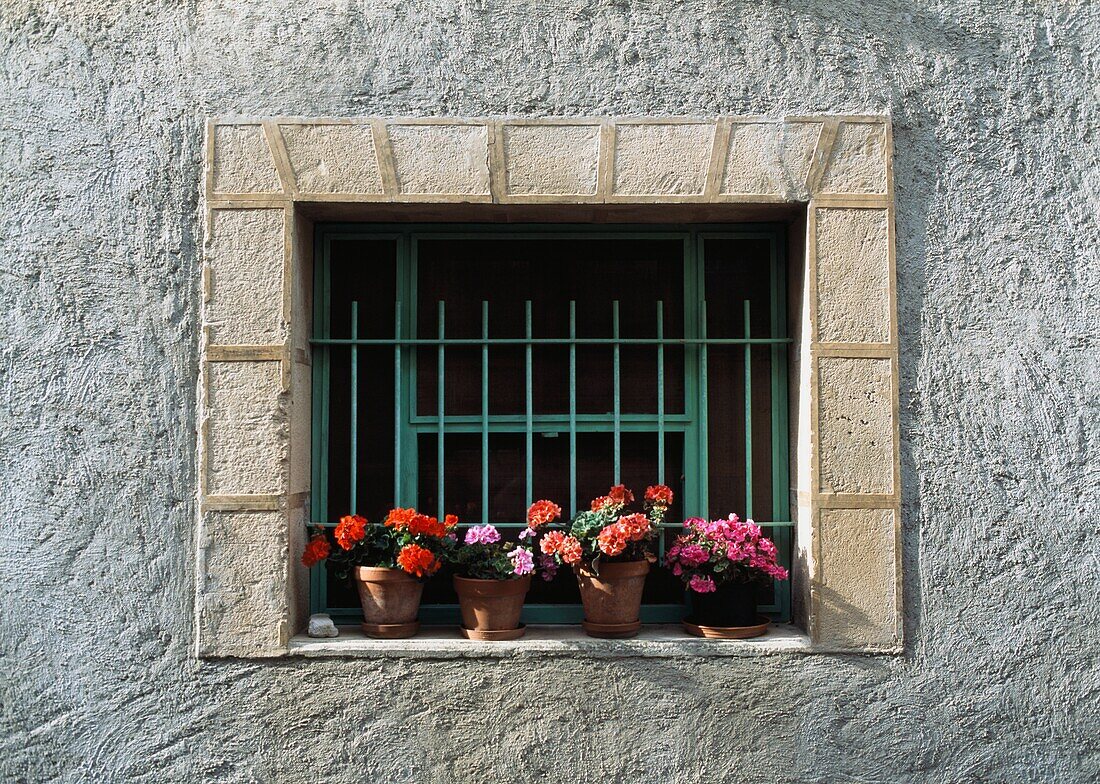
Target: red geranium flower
x=634, y=527
x=620, y=495
x=552, y=542
x=316, y=551
x=417, y=561
x=612, y=539
x=423, y=525
x=351, y=530
x=658, y=495
x=418, y=524
x=600, y=502
x=399, y=519
x=570, y=550
x=541, y=513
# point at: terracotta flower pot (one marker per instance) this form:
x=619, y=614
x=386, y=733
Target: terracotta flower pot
x=391, y=601
x=613, y=599
x=491, y=608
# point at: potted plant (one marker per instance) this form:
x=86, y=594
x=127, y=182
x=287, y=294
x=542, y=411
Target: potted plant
x=610, y=550
x=388, y=563
x=722, y=563
x=491, y=578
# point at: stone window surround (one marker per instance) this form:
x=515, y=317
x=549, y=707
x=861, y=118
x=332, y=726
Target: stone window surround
x=265, y=178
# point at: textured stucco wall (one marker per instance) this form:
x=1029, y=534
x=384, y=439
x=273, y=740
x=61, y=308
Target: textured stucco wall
x=996, y=134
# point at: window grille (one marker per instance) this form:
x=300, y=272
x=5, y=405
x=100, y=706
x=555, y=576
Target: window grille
x=393, y=360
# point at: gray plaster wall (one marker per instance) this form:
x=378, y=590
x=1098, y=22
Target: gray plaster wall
x=998, y=190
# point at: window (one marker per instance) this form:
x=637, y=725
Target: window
x=471, y=369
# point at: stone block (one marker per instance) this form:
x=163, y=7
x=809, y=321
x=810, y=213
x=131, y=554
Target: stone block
x=333, y=158
x=440, y=159
x=858, y=162
x=853, y=275
x=552, y=159
x=299, y=577
x=247, y=435
x=797, y=144
x=855, y=425
x=300, y=277
x=662, y=159
x=769, y=159
x=856, y=590
x=804, y=562
x=242, y=161
x=242, y=595
x=246, y=260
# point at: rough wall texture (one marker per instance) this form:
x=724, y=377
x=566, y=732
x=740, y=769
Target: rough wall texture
x=996, y=136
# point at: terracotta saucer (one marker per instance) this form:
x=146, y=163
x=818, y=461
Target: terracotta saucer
x=489, y=636
x=611, y=630
x=390, y=631
x=728, y=632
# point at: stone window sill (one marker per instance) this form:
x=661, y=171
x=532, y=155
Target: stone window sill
x=657, y=641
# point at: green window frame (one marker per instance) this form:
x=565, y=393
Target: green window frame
x=409, y=423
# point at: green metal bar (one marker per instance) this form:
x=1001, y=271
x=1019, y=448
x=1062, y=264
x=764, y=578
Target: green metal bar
x=665, y=526
x=704, y=430
x=660, y=416
x=439, y=412
x=661, y=398
x=588, y=423
x=540, y=231
x=353, y=487
x=529, y=430
x=694, y=481
x=572, y=407
x=562, y=419
x=410, y=444
x=448, y=614
x=779, y=446
x=485, y=414
x=318, y=507
x=618, y=402
x=748, y=415
x=326, y=414
x=551, y=341
x=397, y=406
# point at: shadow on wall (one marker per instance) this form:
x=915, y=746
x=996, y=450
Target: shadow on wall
x=912, y=216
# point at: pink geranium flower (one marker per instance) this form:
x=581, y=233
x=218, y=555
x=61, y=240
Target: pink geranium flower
x=702, y=584
x=522, y=561
x=482, y=534
x=713, y=552
x=693, y=555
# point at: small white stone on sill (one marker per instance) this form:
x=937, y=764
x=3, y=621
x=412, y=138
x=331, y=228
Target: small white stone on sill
x=321, y=625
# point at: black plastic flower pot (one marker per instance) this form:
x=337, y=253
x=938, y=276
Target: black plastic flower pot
x=733, y=604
